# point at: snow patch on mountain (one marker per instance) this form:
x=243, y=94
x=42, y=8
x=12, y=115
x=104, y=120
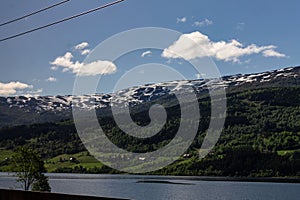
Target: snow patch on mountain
x=139, y=94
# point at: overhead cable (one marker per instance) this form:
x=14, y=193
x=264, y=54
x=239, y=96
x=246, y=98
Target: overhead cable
x=63, y=20
x=33, y=13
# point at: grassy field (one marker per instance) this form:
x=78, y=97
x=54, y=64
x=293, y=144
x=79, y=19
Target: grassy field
x=82, y=159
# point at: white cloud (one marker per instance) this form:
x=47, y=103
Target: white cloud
x=81, y=46
x=96, y=68
x=181, y=20
x=85, y=52
x=51, y=79
x=12, y=88
x=146, y=53
x=205, y=22
x=197, y=45
x=84, y=69
x=64, y=61
x=272, y=53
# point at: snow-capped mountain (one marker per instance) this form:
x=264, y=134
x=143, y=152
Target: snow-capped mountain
x=32, y=109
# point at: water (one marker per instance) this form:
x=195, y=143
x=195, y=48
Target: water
x=127, y=186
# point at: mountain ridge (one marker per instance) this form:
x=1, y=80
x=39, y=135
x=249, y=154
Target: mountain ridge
x=260, y=136
x=19, y=110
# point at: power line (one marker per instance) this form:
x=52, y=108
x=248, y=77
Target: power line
x=33, y=13
x=63, y=20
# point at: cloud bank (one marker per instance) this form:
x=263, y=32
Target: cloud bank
x=99, y=67
x=188, y=45
x=12, y=88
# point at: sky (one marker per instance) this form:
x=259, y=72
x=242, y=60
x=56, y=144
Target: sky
x=239, y=37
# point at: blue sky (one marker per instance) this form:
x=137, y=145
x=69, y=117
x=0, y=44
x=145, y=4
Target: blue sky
x=241, y=37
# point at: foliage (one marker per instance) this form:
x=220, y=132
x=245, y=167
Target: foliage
x=41, y=183
x=261, y=137
x=29, y=168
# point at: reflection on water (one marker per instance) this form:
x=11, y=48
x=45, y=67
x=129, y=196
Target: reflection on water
x=162, y=187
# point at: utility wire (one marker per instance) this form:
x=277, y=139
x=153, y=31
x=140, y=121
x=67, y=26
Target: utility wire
x=63, y=20
x=33, y=13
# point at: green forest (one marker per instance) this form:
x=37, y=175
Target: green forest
x=261, y=138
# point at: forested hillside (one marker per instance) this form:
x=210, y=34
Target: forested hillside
x=261, y=137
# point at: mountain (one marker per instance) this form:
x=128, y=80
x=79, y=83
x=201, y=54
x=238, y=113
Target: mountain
x=19, y=110
x=260, y=136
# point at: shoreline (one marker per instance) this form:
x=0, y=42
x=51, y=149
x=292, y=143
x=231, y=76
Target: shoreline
x=163, y=177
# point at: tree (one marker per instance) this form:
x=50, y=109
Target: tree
x=29, y=167
x=41, y=184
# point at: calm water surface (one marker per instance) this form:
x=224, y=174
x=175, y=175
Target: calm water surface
x=127, y=186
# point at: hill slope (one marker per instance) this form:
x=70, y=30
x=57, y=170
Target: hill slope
x=261, y=136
